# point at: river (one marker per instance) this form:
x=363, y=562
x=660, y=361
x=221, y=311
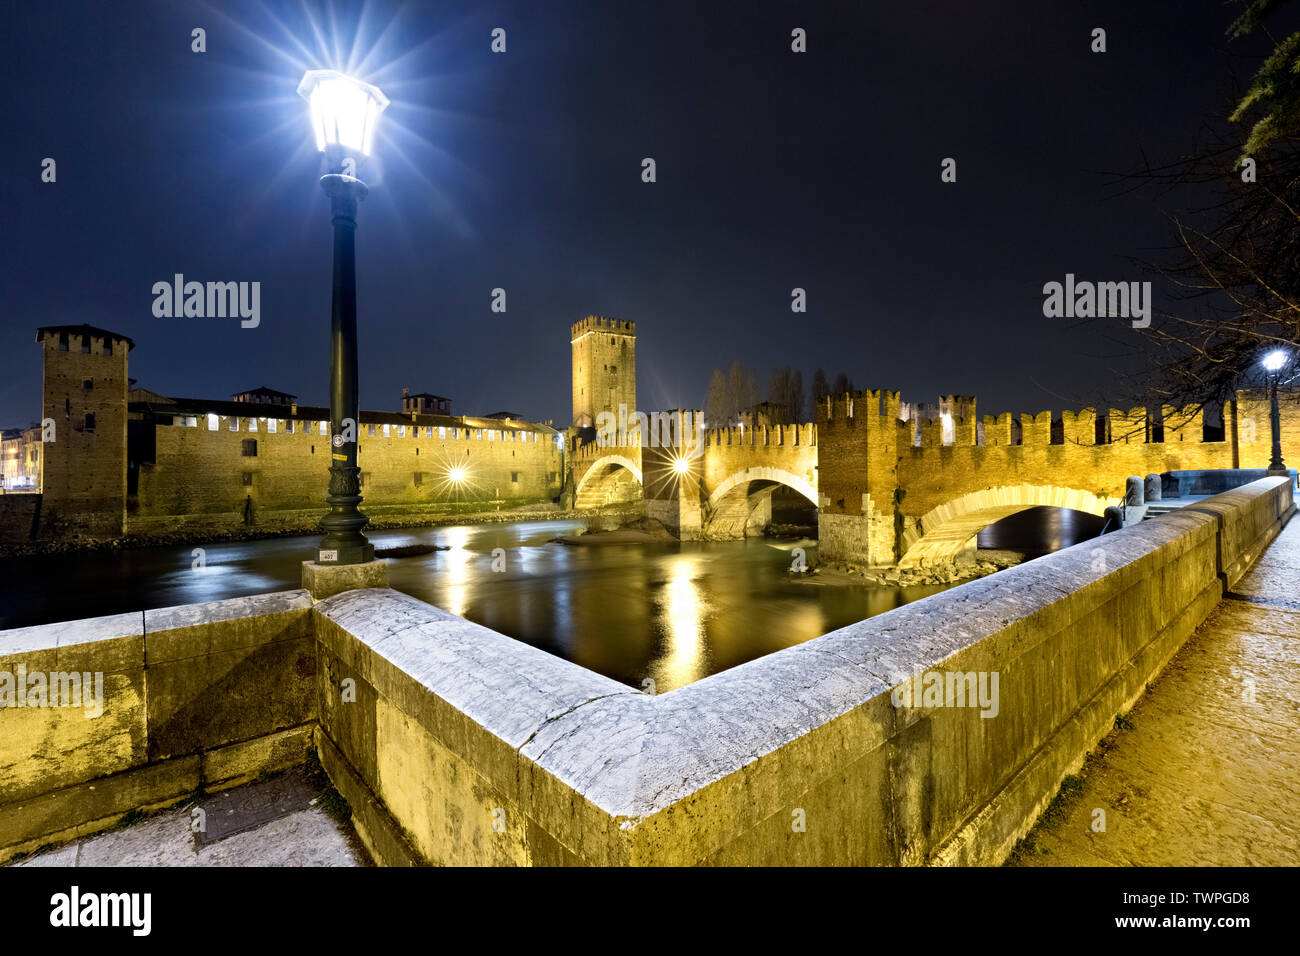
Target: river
x=668, y=612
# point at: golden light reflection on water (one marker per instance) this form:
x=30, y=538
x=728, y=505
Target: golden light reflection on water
x=682, y=611
x=456, y=565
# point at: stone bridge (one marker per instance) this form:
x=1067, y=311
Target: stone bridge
x=896, y=491
x=919, y=491
x=716, y=483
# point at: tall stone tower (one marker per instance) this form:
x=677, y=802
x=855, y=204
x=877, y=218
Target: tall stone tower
x=604, y=368
x=84, y=413
x=858, y=437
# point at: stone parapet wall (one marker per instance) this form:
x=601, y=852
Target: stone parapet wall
x=200, y=696
x=457, y=745
x=478, y=749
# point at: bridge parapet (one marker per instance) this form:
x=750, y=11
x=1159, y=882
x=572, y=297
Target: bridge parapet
x=762, y=436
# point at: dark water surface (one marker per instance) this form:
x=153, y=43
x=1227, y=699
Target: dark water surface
x=670, y=612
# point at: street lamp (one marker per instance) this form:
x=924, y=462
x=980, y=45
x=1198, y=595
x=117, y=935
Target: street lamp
x=1273, y=363
x=344, y=113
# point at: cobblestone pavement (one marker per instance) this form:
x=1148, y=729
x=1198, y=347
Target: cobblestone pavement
x=1204, y=771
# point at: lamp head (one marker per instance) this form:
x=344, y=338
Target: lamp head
x=344, y=111
x=1274, y=360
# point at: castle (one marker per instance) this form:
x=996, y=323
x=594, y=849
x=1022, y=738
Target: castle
x=890, y=481
x=115, y=460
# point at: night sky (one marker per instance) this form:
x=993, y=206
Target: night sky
x=523, y=171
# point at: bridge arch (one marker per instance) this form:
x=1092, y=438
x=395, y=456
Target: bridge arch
x=945, y=531
x=606, y=481
x=736, y=497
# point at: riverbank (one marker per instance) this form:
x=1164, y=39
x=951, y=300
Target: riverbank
x=639, y=531
x=981, y=564
x=536, y=512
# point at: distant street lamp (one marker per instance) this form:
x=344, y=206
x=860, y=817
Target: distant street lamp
x=344, y=113
x=1273, y=363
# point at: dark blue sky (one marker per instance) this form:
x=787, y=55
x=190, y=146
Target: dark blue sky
x=522, y=171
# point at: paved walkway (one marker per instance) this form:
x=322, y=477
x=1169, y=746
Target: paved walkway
x=277, y=822
x=1207, y=771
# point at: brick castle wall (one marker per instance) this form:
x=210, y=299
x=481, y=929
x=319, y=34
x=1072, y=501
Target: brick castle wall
x=204, y=474
x=83, y=474
x=604, y=367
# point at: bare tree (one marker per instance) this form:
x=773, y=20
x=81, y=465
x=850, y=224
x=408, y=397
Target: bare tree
x=1234, y=270
x=716, y=408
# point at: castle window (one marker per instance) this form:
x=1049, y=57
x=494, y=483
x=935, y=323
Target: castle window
x=288, y=426
x=191, y=421
x=418, y=477
x=271, y=425
x=90, y=421
x=234, y=423
x=514, y=477
x=428, y=432
x=248, y=448
x=442, y=431
x=67, y=406
x=248, y=477
x=388, y=431
x=212, y=422
x=401, y=431
x=370, y=429
x=252, y=424
x=479, y=434
x=88, y=383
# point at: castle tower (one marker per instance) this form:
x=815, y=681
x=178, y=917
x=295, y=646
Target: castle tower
x=858, y=437
x=84, y=413
x=604, y=368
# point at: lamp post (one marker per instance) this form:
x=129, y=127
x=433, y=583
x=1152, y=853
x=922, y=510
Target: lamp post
x=1273, y=363
x=344, y=113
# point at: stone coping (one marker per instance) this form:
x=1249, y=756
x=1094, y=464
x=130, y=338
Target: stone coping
x=633, y=755
x=125, y=637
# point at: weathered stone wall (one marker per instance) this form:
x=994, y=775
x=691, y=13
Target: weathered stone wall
x=471, y=748
x=457, y=745
x=202, y=478
x=19, y=518
x=885, y=483
x=206, y=695
x=1254, y=431
x=83, y=472
x=604, y=367
x=859, y=442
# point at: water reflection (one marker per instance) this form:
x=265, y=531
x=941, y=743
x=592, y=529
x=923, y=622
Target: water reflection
x=683, y=611
x=674, y=612
x=456, y=567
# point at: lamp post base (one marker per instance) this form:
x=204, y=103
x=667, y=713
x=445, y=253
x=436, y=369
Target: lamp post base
x=344, y=541
x=327, y=580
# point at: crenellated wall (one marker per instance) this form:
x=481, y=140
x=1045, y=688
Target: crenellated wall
x=202, y=476
x=914, y=491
